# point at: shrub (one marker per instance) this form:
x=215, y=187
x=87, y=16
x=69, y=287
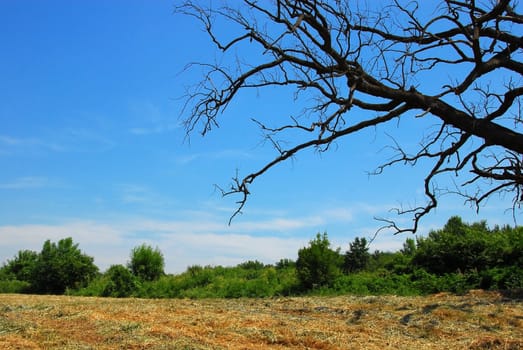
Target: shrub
x=120, y=282
x=146, y=263
x=502, y=278
x=14, y=286
x=22, y=266
x=461, y=247
x=357, y=257
x=60, y=267
x=318, y=265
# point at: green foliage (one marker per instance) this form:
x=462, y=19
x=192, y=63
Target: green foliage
x=460, y=247
x=222, y=282
x=379, y=260
x=409, y=247
x=375, y=283
x=285, y=263
x=147, y=263
x=14, y=286
x=318, y=265
x=514, y=253
x=120, y=282
x=61, y=266
x=357, y=257
x=22, y=266
x=454, y=259
x=252, y=265
x=199, y=276
x=502, y=278
x=400, y=264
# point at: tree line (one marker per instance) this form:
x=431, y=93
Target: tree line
x=456, y=258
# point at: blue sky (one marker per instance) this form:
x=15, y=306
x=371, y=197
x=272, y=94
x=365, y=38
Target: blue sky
x=91, y=147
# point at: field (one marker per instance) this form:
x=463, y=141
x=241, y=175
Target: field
x=478, y=320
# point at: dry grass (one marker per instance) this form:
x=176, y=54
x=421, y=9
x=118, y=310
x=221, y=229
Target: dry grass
x=478, y=320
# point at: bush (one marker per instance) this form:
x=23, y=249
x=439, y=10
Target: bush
x=197, y=276
x=164, y=287
x=146, y=263
x=22, y=267
x=425, y=282
x=285, y=263
x=376, y=283
x=461, y=248
x=14, y=286
x=60, y=267
x=502, y=278
x=357, y=257
x=318, y=265
x=120, y=282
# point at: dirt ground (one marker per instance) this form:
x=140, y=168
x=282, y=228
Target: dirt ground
x=478, y=320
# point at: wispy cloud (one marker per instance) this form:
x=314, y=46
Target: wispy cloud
x=183, y=243
x=152, y=119
x=27, y=182
x=102, y=241
x=280, y=224
x=220, y=154
x=154, y=129
x=63, y=140
x=134, y=193
x=82, y=139
x=13, y=141
x=192, y=237
x=202, y=236
x=10, y=145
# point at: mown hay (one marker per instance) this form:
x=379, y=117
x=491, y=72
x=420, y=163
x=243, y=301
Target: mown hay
x=478, y=320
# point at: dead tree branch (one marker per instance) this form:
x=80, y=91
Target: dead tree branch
x=367, y=65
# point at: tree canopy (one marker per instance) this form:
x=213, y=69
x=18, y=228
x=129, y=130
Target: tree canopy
x=356, y=65
x=56, y=268
x=318, y=264
x=147, y=263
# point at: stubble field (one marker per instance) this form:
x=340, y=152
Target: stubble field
x=478, y=320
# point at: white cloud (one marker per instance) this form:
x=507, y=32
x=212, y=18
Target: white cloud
x=134, y=193
x=69, y=139
x=339, y=214
x=152, y=130
x=31, y=144
x=279, y=224
x=27, y=182
x=13, y=141
x=84, y=139
x=102, y=241
x=183, y=243
x=203, y=237
x=221, y=154
x=229, y=248
x=153, y=118
x=195, y=237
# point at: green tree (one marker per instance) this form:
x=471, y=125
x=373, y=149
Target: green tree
x=514, y=254
x=120, y=282
x=460, y=247
x=409, y=247
x=22, y=266
x=61, y=266
x=285, y=263
x=357, y=257
x=146, y=263
x=318, y=264
x=252, y=265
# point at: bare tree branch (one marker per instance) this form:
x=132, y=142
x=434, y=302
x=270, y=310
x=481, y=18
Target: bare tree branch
x=365, y=65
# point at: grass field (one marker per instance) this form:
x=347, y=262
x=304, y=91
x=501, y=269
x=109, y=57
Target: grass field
x=478, y=320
